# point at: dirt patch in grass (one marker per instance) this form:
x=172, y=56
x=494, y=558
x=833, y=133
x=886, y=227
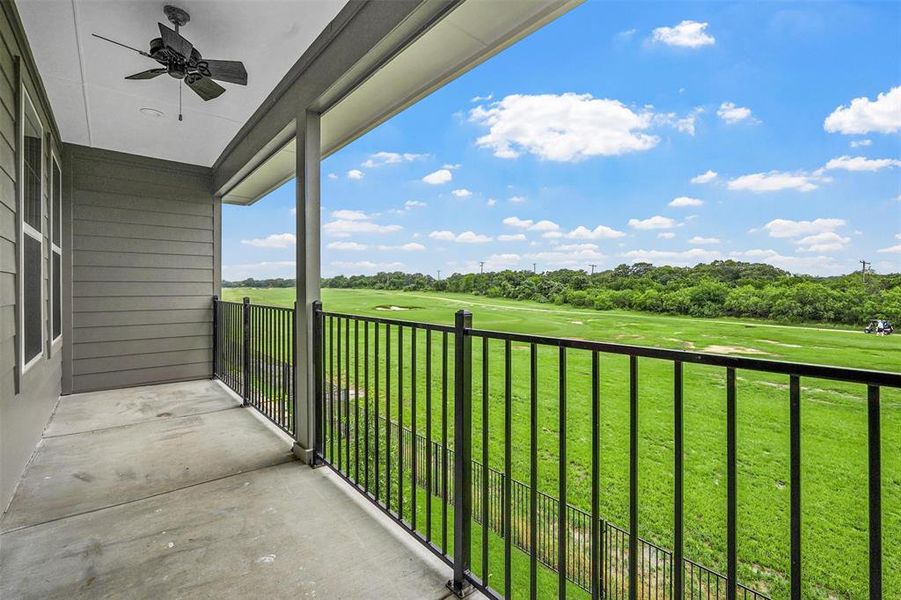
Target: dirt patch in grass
x=394, y=308
x=784, y=345
x=717, y=349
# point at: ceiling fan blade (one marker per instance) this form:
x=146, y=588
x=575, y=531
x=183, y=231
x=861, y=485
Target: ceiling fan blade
x=141, y=52
x=205, y=87
x=174, y=41
x=150, y=74
x=229, y=71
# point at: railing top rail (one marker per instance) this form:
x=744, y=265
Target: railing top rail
x=252, y=305
x=398, y=322
x=846, y=374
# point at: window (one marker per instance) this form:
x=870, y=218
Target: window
x=32, y=240
x=56, y=214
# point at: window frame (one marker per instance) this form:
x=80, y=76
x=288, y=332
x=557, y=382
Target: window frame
x=27, y=230
x=56, y=275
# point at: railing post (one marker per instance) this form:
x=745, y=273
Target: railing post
x=317, y=383
x=215, y=337
x=245, y=387
x=460, y=585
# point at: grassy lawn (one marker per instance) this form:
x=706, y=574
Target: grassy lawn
x=834, y=458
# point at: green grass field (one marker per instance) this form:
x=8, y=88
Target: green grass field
x=834, y=457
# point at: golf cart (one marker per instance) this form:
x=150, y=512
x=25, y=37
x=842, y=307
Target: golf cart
x=879, y=327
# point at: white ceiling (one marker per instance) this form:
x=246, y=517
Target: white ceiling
x=95, y=106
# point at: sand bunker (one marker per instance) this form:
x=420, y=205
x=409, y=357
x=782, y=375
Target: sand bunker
x=716, y=349
x=784, y=345
x=393, y=308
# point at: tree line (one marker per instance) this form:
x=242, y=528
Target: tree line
x=716, y=289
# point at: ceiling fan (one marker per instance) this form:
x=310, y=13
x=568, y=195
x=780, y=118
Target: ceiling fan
x=181, y=60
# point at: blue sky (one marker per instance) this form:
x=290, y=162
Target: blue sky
x=673, y=133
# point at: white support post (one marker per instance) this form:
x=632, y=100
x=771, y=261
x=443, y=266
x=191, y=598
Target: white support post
x=307, y=277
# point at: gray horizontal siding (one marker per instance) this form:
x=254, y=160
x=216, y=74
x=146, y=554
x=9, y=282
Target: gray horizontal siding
x=142, y=275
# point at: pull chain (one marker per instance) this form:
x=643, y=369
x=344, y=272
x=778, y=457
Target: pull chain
x=179, y=100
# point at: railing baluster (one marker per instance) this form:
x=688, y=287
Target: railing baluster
x=378, y=450
x=400, y=422
x=508, y=465
x=533, y=470
x=795, y=460
x=597, y=586
x=875, y=491
x=444, y=450
x=368, y=399
x=484, y=507
x=633, y=477
x=357, y=402
x=414, y=445
x=347, y=394
x=462, y=452
x=428, y=434
x=388, y=416
x=562, y=524
x=731, y=488
x=677, y=583
x=331, y=387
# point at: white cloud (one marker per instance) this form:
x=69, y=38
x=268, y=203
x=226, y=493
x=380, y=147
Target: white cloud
x=350, y=215
x=775, y=181
x=410, y=204
x=462, y=193
x=882, y=115
x=380, y=159
x=355, y=174
x=367, y=266
x=482, y=98
x=470, y=237
x=784, y=228
x=451, y=166
x=518, y=223
x=409, y=247
x=346, y=228
x=827, y=241
x=544, y=225
x=705, y=177
x=655, y=222
x=702, y=241
x=516, y=237
x=730, y=113
x=438, y=177
x=666, y=235
x=689, y=257
x=896, y=249
x=601, y=232
x=564, y=128
x=346, y=246
x=797, y=264
x=685, y=201
x=687, y=34
x=491, y=202
x=861, y=163
x=442, y=235
x=575, y=256
x=276, y=240
x=684, y=124
x=516, y=200
x=333, y=176
x=860, y=143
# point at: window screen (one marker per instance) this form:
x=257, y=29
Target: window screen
x=31, y=281
x=57, y=204
x=31, y=177
x=57, y=311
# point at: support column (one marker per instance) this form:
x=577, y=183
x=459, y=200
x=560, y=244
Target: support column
x=307, y=277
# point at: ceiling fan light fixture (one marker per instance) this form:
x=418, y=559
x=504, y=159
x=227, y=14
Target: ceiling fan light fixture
x=151, y=112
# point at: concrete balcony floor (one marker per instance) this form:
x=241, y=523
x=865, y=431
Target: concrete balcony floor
x=176, y=491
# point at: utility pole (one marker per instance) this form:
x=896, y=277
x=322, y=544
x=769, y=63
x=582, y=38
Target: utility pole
x=439, y=274
x=863, y=269
x=481, y=267
x=592, y=268
x=535, y=268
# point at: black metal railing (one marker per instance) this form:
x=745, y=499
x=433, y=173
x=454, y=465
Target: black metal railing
x=377, y=377
x=254, y=354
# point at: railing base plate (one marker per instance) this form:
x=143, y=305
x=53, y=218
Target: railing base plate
x=304, y=455
x=460, y=591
